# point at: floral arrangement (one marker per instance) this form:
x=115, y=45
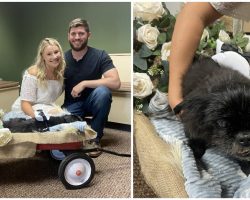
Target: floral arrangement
x=153, y=27
x=207, y=47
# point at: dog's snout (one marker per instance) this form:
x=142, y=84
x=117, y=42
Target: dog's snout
x=243, y=139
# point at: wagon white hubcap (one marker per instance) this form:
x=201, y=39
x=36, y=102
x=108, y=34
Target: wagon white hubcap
x=77, y=171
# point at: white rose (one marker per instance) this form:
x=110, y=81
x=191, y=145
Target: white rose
x=148, y=35
x=205, y=35
x=165, y=50
x=142, y=85
x=224, y=37
x=148, y=11
x=247, y=48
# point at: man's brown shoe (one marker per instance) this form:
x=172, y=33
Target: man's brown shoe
x=95, y=154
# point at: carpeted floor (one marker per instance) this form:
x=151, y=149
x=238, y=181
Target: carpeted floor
x=37, y=177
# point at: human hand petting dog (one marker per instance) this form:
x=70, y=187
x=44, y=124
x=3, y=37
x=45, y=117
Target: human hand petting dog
x=41, y=116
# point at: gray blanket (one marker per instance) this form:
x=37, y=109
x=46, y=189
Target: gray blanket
x=222, y=177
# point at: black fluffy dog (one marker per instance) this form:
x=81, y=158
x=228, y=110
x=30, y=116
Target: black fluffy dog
x=216, y=109
x=22, y=125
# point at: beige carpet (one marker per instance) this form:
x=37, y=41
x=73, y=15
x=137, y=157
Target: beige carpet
x=37, y=177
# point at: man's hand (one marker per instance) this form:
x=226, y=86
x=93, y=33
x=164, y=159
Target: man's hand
x=76, y=91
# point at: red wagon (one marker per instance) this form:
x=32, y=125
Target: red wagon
x=76, y=169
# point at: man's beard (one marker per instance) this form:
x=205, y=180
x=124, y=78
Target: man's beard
x=83, y=46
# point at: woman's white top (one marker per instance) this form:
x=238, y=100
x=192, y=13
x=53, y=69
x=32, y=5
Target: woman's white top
x=240, y=10
x=41, y=97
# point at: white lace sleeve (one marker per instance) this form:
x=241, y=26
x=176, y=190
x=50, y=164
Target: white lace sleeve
x=238, y=10
x=29, y=88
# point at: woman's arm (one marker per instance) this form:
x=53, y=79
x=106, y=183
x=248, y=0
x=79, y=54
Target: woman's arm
x=28, y=92
x=27, y=108
x=186, y=37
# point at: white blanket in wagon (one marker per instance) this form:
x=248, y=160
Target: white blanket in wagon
x=23, y=145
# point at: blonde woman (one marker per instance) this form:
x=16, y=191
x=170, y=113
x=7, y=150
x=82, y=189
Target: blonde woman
x=42, y=82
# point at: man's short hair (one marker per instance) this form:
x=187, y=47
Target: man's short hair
x=79, y=22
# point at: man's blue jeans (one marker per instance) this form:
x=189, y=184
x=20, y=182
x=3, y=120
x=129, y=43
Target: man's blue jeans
x=97, y=105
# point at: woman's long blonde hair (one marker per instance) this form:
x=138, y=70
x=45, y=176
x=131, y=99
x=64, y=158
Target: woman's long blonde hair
x=40, y=64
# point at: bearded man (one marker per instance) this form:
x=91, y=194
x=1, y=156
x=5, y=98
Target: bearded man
x=89, y=76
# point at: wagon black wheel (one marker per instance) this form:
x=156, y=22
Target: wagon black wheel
x=76, y=170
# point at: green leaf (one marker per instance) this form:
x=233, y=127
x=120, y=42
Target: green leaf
x=142, y=102
x=165, y=65
x=215, y=28
x=145, y=107
x=207, y=47
x=161, y=38
x=243, y=42
x=172, y=20
x=202, y=45
x=155, y=23
x=169, y=32
x=163, y=88
x=165, y=21
x=169, y=35
x=156, y=53
x=163, y=80
x=239, y=40
x=211, y=43
x=163, y=83
x=137, y=24
x=145, y=52
x=140, y=62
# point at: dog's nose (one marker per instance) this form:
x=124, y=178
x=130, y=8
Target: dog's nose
x=243, y=139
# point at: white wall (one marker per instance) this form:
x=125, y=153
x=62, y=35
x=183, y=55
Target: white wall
x=174, y=7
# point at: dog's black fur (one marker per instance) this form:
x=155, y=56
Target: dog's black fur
x=216, y=109
x=22, y=125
